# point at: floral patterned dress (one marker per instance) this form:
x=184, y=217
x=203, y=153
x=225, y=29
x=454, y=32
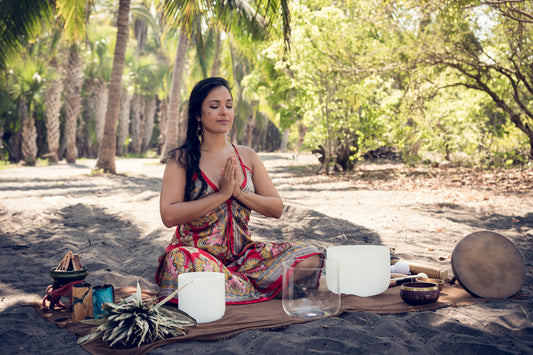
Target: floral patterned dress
x=220, y=241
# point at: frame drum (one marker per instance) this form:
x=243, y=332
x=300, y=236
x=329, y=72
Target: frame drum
x=488, y=265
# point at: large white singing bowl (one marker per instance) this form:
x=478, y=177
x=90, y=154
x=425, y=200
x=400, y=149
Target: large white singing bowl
x=204, y=296
x=364, y=270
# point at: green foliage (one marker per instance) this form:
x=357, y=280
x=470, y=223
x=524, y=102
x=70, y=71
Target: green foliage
x=446, y=80
x=73, y=14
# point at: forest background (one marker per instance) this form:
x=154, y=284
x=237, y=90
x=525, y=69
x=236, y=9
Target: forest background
x=419, y=81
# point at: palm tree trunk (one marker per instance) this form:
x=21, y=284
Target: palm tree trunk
x=182, y=134
x=216, y=56
x=135, y=125
x=171, y=134
x=73, y=83
x=100, y=104
x=123, y=121
x=163, y=111
x=106, y=151
x=148, y=124
x=29, y=134
x=53, y=111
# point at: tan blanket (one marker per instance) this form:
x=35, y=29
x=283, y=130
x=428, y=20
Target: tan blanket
x=264, y=315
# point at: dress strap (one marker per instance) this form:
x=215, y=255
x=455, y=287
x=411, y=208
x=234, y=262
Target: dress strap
x=243, y=167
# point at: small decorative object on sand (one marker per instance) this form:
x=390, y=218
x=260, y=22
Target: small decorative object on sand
x=418, y=293
x=137, y=322
x=70, y=262
x=69, y=272
x=102, y=294
x=69, y=269
x=82, y=301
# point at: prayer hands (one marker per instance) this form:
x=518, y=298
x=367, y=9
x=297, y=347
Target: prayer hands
x=229, y=180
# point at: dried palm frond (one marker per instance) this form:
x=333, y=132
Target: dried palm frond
x=137, y=321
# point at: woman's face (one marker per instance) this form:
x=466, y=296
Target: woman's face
x=217, y=111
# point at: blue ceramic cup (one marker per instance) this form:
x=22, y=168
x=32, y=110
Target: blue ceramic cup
x=101, y=294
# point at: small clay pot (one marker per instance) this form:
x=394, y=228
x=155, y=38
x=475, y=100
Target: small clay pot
x=64, y=277
x=418, y=293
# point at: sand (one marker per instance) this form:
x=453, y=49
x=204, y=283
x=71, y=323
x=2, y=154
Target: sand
x=113, y=222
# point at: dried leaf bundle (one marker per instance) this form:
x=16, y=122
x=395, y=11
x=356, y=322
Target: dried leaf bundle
x=136, y=322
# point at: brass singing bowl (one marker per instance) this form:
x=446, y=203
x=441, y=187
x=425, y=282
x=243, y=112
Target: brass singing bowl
x=439, y=282
x=418, y=293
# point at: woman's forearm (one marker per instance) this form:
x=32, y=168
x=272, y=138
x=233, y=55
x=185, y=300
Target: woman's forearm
x=269, y=206
x=174, y=214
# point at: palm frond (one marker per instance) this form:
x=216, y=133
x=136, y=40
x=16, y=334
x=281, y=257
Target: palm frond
x=19, y=22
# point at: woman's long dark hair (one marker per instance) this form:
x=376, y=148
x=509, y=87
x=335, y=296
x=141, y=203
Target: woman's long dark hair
x=188, y=154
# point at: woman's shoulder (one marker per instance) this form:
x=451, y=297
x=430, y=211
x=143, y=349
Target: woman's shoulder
x=247, y=154
x=245, y=151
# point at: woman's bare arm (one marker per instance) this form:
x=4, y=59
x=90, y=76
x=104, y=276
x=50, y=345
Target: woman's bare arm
x=172, y=205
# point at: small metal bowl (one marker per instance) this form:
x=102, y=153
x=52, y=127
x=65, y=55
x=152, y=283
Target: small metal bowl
x=439, y=282
x=418, y=293
x=64, y=277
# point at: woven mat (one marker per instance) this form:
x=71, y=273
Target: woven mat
x=264, y=315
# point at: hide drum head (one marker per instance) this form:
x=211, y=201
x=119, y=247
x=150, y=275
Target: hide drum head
x=488, y=265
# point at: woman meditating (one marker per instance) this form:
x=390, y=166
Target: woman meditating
x=208, y=191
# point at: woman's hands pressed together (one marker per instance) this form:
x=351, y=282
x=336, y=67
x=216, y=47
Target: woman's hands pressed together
x=229, y=180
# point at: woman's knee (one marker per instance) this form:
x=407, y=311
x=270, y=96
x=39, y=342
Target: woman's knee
x=310, y=262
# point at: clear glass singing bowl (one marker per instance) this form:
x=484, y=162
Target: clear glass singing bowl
x=311, y=293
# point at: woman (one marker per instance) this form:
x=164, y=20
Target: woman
x=209, y=189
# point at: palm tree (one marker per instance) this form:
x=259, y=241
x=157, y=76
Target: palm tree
x=191, y=17
x=20, y=21
x=72, y=93
x=52, y=98
x=53, y=105
x=73, y=14
x=171, y=129
x=106, y=151
x=26, y=90
x=96, y=78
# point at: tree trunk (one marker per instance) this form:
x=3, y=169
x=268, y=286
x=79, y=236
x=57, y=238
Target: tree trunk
x=106, y=151
x=182, y=134
x=216, y=56
x=261, y=141
x=302, y=130
x=148, y=124
x=72, y=90
x=135, y=124
x=250, y=125
x=285, y=140
x=53, y=111
x=163, y=111
x=100, y=105
x=123, y=121
x=171, y=134
x=29, y=135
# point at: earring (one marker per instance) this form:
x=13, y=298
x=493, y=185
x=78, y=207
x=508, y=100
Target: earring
x=199, y=131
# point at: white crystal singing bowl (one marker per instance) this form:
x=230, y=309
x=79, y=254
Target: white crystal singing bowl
x=364, y=269
x=204, y=297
